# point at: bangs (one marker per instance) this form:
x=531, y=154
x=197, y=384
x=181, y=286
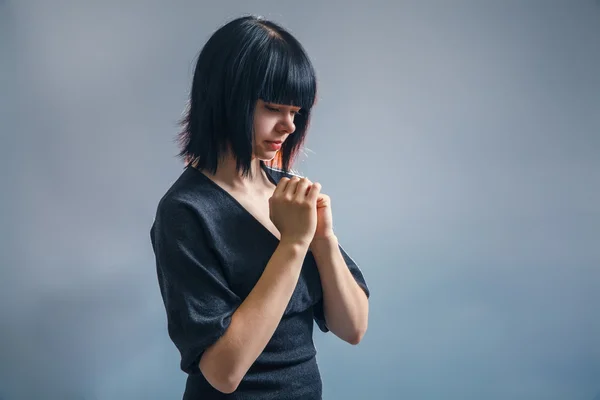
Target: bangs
x=289, y=77
x=245, y=60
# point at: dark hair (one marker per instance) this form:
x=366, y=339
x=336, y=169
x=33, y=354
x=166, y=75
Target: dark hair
x=245, y=60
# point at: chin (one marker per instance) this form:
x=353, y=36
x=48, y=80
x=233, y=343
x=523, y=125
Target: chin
x=266, y=156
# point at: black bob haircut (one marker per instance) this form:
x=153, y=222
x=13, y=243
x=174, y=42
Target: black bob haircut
x=247, y=59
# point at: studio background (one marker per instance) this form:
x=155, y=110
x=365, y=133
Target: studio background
x=459, y=142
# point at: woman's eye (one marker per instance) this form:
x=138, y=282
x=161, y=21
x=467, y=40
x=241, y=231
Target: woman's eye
x=275, y=109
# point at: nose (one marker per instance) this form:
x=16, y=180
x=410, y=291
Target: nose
x=286, y=124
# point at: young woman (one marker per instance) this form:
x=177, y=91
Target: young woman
x=246, y=255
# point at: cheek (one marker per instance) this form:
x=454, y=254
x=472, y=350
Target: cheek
x=263, y=126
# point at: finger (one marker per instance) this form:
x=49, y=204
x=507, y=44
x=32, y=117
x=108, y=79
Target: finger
x=314, y=192
x=302, y=188
x=323, y=200
x=308, y=188
x=281, y=186
x=290, y=189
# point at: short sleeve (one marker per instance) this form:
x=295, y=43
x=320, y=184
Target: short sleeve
x=197, y=299
x=319, y=312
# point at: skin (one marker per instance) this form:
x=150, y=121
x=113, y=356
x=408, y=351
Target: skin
x=300, y=216
x=271, y=122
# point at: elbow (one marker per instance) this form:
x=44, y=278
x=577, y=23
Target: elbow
x=357, y=335
x=222, y=379
x=225, y=384
x=355, y=338
x=352, y=334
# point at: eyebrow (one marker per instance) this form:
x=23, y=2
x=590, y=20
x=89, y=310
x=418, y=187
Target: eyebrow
x=283, y=105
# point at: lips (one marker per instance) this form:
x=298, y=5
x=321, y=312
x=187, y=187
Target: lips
x=274, y=144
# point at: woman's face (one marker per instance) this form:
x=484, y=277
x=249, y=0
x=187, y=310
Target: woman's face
x=273, y=123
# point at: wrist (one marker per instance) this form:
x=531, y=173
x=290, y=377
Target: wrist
x=324, y=241
x=295, y=245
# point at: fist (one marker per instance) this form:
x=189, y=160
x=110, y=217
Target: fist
x=324, y=217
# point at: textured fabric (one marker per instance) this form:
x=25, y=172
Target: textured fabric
x=210, y=252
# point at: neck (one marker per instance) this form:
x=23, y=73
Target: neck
x=228, y=175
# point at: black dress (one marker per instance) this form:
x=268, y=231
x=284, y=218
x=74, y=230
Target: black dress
x=210, y=252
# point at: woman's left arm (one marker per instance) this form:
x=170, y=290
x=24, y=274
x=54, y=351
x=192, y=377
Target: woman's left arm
x=345, y=303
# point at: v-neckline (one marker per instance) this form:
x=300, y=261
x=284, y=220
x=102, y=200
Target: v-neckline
x=236, y=201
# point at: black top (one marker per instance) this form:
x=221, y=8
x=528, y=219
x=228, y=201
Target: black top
x=210, y=252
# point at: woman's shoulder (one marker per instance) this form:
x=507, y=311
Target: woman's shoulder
x=188, y=192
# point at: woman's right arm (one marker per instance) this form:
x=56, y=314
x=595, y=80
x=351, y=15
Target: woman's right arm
x=293, y=211
x=225, y=363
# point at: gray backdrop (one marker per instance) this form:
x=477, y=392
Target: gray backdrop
x=459, y=141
